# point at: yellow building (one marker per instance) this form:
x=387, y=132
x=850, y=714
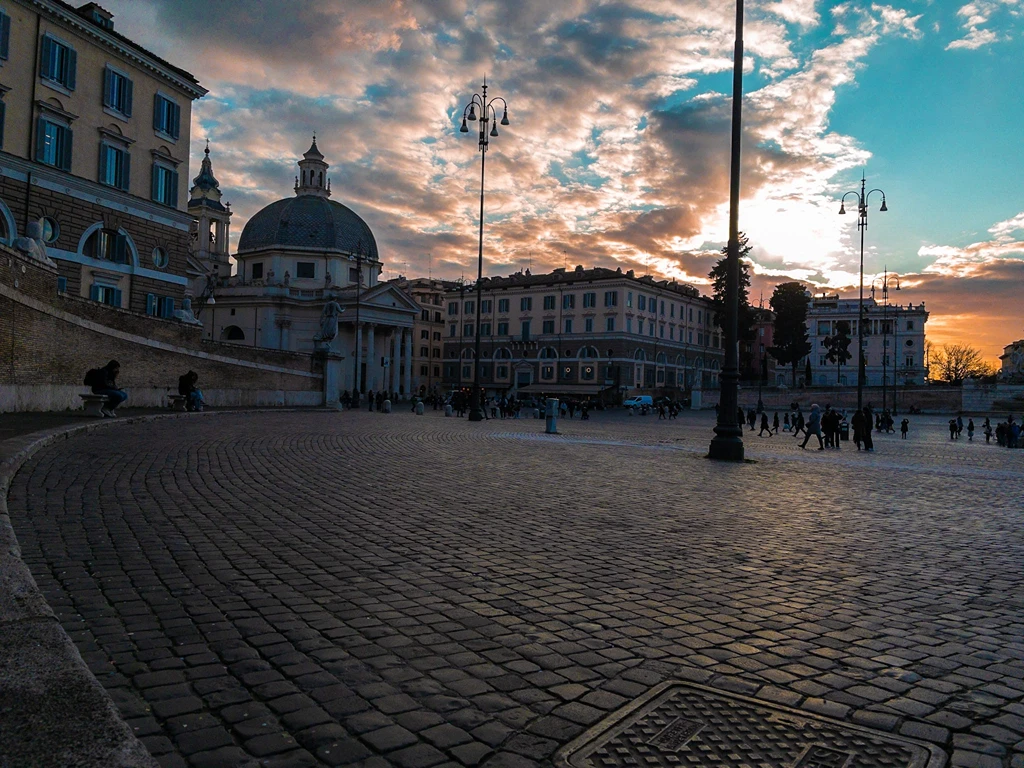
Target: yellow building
x=427, y=332
x=94, y=145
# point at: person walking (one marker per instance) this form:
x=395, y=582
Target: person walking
x=775, y=423
x=959, y=425
x=970, y=430
x=869, y=417
x=764, y=425
x=799, y=425
x=952, y=429
x=857, y=422
x=814, y=428
x=904, y=428
x=369, y=400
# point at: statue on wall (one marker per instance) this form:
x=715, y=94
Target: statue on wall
x=33, y=245
x=328, y=323
x=185, y=314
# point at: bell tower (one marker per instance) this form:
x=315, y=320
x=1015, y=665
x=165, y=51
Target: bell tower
x=312, y=178
x=214, y=220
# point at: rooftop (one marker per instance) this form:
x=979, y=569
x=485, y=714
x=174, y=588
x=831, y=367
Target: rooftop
x=525, y=279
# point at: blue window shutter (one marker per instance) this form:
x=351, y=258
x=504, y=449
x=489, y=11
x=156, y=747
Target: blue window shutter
x=117, y=297
x=108, y=77
x=175, y=120
x=154, y=185
x=46, y=58
x=126, y=171
x=157, y=123
x=5, y=35
x=103, y=163
x=3, y=112
x=150, y=304
x=65, y=159
x=127, y=97
x=120, y=249
x=94, y=293
x=172, y=198
x=40, y=139
x=72, y=68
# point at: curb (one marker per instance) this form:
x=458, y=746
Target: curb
x=53, y=710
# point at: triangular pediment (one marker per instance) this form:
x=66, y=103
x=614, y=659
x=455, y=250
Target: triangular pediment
x=389, y=296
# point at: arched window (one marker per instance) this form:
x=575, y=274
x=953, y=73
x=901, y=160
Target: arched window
x=662, y=359
x=107, y=244
x=680, y=361
x=232, y=333
x=502, y=354
x=588, y=353
x=639, y=355
x=548, y=353
x=468, y=354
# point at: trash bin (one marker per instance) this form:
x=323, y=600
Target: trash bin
x=844, y=430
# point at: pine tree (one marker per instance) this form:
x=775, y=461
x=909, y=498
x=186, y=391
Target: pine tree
x=790, y=302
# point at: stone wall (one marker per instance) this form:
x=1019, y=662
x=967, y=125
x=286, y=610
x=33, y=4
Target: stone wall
x=49, y=340
x=991, y=398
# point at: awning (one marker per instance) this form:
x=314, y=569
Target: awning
x=562, y=389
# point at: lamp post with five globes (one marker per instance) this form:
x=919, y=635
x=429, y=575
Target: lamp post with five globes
x=488, y=116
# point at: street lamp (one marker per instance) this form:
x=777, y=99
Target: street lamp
x=886, y=279
x=727, y=444
x=862, y=224
x=488, y=115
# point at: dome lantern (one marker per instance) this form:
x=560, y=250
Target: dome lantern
x=312, y=179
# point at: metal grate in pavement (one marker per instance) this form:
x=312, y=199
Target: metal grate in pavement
x=693, y=726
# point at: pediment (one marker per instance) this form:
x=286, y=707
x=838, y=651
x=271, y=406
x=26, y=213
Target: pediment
x=390, y=297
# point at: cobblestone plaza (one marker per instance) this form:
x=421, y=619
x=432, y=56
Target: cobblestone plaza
x=319, y=588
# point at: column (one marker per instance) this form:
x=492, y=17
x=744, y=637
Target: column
x=371, y=362
x=356, y=382
x=393, y=344
x=407, y=333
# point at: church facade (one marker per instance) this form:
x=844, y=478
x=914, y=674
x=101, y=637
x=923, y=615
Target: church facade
x=295, y=256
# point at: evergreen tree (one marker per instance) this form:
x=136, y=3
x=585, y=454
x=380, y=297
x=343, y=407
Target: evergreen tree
x=838, y=346
x=746, y=315
x=789, y=302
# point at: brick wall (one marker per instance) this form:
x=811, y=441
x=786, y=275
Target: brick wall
x=48, y=342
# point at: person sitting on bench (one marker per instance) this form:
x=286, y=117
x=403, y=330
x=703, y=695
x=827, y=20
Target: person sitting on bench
x=193, y=395
x=103, y=381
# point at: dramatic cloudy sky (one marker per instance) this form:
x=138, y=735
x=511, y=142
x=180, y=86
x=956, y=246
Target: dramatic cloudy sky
x=618, y=149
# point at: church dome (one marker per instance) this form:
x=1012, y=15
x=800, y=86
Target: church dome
x=308, y=221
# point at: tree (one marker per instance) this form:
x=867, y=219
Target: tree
x=952, y=363
x=789, y=302
x=747, y=314
x=838, y=346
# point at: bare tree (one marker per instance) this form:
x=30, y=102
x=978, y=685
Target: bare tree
x=952, y=363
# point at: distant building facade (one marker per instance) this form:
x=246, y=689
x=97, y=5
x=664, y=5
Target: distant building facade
x=597, y=333
x=427, y=331
x=94, y=145
x=1011, y=368
x=894, y=343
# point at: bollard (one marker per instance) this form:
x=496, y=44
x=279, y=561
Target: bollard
x=551, y=416
x=447, y=410
x=387, y=406
x=419, y=408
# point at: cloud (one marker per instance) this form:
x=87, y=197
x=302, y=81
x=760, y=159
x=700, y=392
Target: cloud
x=975, y=16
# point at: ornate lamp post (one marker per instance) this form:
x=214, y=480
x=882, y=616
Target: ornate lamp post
x=488, y=116
x=727, y=444
x=862, y=224
x=886, y=279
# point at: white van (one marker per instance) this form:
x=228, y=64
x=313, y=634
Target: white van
x=639, y=401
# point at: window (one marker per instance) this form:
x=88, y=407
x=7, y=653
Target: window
x=611, y=298
x=305, y=269
x=435, y=352
x=115, y=166
x=568, y=325
x=485, y=306
x=3, y=112
x=353, y=275
x=587, y=372
x=502, y=371
x=117, y=92
x=502, y=305
x=689, y=337
x=467, y=329
x=485, y=328
x=5, y=35
x=526, y=329
x=425, y=317
x=569, y=301
x=106, y=294
x=629, y=325
x=62, y=285
x=58, y=62
x=663, y=308
x=909, y=361
x=161, y=306
x=503, y=329
x=160, y=257
x=661, y=331
x=437, y=336
x=549, y=302
x=588, y=325
x=609, y=324
x=469, y=308
x=910, y=325
x=699, y=320
x=166, y=116
x=452, y=330
x=629, y=299
x=671, y=310
x=691, y=314
x=53, y=144
x=650, y=327
x=423, y=370
x=424, y=352
x=548, y=326
x=437, y=370
x=526, y=304
x=640, y=326
x=165, y=185
x=641, y=302
x=824, y=327
x=453, y=307
x=257, y=270
x=424, y=335
x=589, y=300
x=437, y=317
x=107, y=244
x=547, y=371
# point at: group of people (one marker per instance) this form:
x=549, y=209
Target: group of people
x=103, y=381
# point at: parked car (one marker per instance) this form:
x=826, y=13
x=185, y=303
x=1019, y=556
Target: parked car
x=639, y=401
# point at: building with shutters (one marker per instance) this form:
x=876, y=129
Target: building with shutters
x=94, y=145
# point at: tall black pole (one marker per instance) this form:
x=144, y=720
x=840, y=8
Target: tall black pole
x=862, y=224
x=727, y=444
x=476, y=410
x=885, y=337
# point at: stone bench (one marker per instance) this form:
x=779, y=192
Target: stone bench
x=92, y=404
x=177, y=402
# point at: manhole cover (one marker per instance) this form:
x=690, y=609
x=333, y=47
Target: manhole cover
x=681, y=724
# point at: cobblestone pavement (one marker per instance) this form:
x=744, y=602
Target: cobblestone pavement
x=360, y=589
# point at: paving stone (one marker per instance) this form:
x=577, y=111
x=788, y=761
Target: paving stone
x=390, y=738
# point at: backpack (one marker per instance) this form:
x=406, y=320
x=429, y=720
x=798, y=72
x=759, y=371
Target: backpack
x=94, y=378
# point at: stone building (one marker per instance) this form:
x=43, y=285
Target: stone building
x=597, y=333
x=894, y=343
x=427, y=332
x=293, y=257
x=1011, y=362
x=94, y=136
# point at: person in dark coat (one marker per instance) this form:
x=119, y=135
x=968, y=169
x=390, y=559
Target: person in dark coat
x=857, y=422
x=187, y=388
x=869, y=417
x=764, y=424
x=103, y=381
